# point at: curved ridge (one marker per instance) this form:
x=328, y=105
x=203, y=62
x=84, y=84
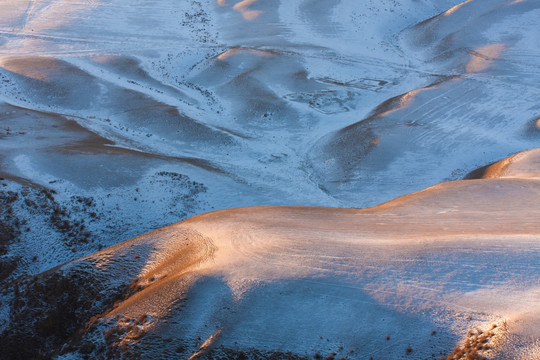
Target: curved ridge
x=408, y=257
x=219, y=107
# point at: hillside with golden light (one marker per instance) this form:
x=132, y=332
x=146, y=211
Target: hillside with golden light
x=257, y=179
x=419, y=274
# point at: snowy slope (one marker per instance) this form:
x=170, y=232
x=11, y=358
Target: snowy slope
x=121, y=117
x=160, y=110
x=416, y=273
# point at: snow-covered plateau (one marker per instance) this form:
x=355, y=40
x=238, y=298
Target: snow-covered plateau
x=352, y=179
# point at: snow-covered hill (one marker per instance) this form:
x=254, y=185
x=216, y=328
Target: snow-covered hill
x=121, y=117
x=453, y=265
x=160, y=110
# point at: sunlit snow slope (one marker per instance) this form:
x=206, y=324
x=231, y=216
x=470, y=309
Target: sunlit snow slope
x=406, y=279
x=120, y=117
x=154, y=111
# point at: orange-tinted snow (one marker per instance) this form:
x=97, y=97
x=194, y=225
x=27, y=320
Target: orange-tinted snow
x=461, y=254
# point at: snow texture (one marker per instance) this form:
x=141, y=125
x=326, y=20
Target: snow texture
x=120, y=117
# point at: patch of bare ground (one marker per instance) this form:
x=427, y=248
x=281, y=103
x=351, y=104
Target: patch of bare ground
x=50, y=312
x=475, y=346
x=222, y=353
x=10, y=229
x=121, y=339
x=25, y=210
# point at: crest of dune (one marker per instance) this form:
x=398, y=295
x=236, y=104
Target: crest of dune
x=483, y=57
x=243, y=8
x=235, y=51
x=455, y=8
x=525, y=165
x=405, y=100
